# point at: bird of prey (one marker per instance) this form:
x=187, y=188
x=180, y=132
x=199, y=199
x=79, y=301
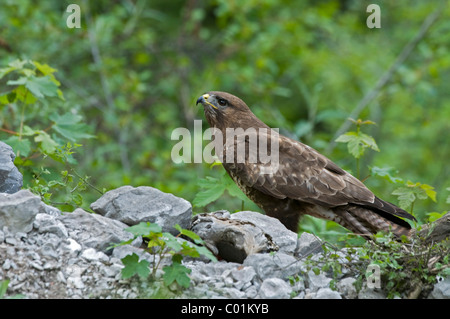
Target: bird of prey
x=304, y=181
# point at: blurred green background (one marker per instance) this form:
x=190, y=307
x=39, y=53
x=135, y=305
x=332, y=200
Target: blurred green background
x=135, y=68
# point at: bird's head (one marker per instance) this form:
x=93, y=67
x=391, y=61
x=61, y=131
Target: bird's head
x=224, y=110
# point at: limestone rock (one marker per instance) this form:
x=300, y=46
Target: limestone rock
x=132, y=205
x=278, y=265
x=308, y=244
x=18, y=210
x=318, y=281
x=231, y=238
x=10, y=178
x=285, y=239
x=94, y=231
x=275, y=288
x=441, y=290
x=327, y=293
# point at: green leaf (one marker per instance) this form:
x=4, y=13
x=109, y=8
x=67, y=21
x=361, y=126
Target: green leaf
x=172, y=242
x=386, y=173
x=44, y=68
x=3, y=287
x=190, y=234
x=144, y=228
x=47, y=144
x=232, y=188
x=13, y=66
x=406, y=196
x=429, y=190
x=357, y=142
x=24, y=95
x=39, y=86
x=134, y=266
x=433, y=216
x=68, y=126
x=177, y=273
x=189, y=249
x=20, y=146
x=206, y=252
x=8, y=97
x=21, y=81
x=212, y=191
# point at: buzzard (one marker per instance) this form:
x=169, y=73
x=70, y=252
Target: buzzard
x=304, y=181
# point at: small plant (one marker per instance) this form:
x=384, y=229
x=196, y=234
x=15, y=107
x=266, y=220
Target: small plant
x=408, y=192
x=213, y=188
x=43, y=140
x=411, y=192
x=3, y=287
x=408, y=268
x=358, y=142
x=163, y=245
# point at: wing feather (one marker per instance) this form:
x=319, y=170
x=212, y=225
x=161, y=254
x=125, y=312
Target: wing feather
x=303, y=174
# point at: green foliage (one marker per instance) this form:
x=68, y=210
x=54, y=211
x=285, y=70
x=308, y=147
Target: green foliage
x=40, y=152
x=212, y=188
x=161, y=245
x=407, y=268
x=408, y=194
x=3, y=287
x=357, y=141
x=134, y=266
x=135, y=68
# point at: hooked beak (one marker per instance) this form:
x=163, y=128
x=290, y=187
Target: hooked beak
x=204, y=100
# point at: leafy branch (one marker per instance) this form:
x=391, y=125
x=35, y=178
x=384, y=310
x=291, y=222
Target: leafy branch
x=29, y=85
x=213, y=188
x=161, y=245
x=358, y=142
x=408, y=192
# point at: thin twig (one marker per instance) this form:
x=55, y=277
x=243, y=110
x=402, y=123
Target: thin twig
x=85, y=181
x=387, y=76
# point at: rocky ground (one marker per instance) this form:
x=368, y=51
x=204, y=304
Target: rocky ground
x=46, y=253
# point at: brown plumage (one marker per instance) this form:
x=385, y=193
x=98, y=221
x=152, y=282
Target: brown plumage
x=304, y=181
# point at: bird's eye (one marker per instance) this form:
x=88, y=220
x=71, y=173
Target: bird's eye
x=222, y=102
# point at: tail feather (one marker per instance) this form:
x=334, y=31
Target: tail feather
x=367, y=222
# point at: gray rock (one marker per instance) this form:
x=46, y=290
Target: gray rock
x=308, y=244
x=94, y=231
x=327, y=293
x=49, y=210
x=11, y=179
x=275, y=288
x=18, y=210
x=369, y=293
x=73, y=246
x=277, y=265
x=318, y=281
x=45, y=223
x=251, y=292
x=441, y=290
x=347, y=288
x=122, y=251
x=243, y=274
x=285, y=239
x=236, y=236
x=93, y=255
x=144, y=204
x=233, y=239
